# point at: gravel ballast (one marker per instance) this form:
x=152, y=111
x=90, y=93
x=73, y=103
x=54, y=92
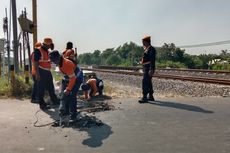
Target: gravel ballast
x=165, y=87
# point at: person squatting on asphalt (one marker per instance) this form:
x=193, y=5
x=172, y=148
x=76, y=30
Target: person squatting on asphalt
x=43, y=76
x=148, y=62
x=93, y=85
x=70, y=84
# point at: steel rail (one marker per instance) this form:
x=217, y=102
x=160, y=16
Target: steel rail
x=170, y=69
x=175, y=77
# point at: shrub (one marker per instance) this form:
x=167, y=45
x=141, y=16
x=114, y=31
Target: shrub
x=18, y=88
x=171, y=64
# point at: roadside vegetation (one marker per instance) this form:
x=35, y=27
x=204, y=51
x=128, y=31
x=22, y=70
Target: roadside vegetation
x=18, y=88
x=168, y=56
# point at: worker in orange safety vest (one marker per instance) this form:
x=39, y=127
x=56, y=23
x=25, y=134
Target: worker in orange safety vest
x=94, y=85
x=43, y=74
x=34, y=96
x=69, y=52
x=70, y=84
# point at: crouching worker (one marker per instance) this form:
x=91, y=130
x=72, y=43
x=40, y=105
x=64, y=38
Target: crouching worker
x=70, y=84
x=93, y=85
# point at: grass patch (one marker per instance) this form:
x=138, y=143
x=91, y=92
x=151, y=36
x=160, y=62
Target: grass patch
x=4, y=87
x=18, y=88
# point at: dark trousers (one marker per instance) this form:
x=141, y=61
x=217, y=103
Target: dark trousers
x=68, y=104
x=34, y=95
x=45, y=83
x=147, y=87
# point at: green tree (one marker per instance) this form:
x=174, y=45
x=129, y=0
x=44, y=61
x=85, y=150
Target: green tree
x=96, y=57
x=105, y=55
x=189, y=62
x=85, y=59
x=165, y=53
x=113, y=60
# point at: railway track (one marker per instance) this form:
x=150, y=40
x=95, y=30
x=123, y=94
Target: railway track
x=166, y=69
x=134, y=71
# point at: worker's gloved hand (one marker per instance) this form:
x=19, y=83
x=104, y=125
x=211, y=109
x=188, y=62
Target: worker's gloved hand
x=66, y=92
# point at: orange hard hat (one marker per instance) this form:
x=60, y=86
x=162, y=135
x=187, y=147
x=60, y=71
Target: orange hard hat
x=47, y=41
x=38, y=44
x=146, y=38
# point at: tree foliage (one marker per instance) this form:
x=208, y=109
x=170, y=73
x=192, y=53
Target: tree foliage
x=129, y=54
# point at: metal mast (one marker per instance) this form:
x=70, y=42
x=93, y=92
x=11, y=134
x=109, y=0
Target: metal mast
x=34, y=7
x=15, y=35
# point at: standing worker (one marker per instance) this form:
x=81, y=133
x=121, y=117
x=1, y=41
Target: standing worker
x=43, y=75
x=34, y=96
x=148, y=62
x=70, y=84
x=69, y=52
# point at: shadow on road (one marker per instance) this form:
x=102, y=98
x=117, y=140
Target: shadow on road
x=97, y=135
x=96, y=129
x=181, y=106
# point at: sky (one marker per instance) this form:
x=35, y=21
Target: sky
x=101, y=24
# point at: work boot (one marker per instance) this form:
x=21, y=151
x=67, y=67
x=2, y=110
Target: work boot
x=72, y=118
x=143, y=99
x=151, y=98
x=43, y=105
x=34, y=100
x=63, y=113
x=55, y=101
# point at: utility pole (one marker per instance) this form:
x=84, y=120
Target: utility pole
x=20, y=54
x=15, y=35
x=23, y=48
x=28, y=43
x=6, y=30
x=34, y=7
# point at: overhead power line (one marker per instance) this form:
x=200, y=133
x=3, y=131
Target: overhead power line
x=206, y=44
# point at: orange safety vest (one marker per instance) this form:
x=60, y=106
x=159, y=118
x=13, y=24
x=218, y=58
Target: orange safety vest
x=93, y=85
x=37, y=45
x=68, y=68
x=69, y=53
x=44, y=62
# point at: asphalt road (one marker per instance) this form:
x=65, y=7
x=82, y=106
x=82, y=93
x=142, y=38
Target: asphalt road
x=169, y=125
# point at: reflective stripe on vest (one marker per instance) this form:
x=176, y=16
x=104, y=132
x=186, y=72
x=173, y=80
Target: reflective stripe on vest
x=48, y=69
x=44, y=62
x=71, y=75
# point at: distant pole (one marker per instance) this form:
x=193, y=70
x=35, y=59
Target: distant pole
x=20, y=54
x=23, y=48
x=7, y=43
x=15, y=35
x=1, y=61
x=28, y=44
x=34, y=7
x=12, y=76
x=26, y=71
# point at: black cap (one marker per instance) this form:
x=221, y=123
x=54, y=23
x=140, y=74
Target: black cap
x=54, y=55
x=69, y=45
